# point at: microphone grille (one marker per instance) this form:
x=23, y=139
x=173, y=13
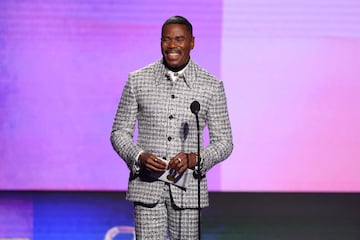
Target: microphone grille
x=195, y=107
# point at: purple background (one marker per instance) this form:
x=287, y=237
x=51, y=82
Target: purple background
x=291, y=72
x=64, y=64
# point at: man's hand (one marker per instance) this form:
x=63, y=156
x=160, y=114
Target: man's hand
x=152, y=163
x=182, y=161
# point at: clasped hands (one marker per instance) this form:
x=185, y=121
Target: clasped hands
x=180, y=162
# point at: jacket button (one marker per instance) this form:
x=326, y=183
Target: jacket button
x=172, y=96
x=171, y=117
x=169, y=138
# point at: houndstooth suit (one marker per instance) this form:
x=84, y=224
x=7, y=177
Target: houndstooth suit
x=150, y=97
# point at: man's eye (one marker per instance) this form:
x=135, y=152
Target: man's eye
x=180, y=39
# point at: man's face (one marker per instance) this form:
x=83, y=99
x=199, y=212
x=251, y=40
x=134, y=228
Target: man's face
x=176, y=44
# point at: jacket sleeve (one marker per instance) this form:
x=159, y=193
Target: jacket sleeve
x=123, y=128
x=221, y=144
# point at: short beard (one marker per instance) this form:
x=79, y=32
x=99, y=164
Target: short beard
x=175, y=69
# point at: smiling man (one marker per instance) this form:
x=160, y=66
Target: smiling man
x=176, y=43
x=158, y=97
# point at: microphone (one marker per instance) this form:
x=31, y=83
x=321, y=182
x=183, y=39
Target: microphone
x=195, y=107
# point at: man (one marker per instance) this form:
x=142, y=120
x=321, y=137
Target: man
x=159, y=96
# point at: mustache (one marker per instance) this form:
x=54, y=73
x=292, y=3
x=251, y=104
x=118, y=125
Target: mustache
x=172, y=50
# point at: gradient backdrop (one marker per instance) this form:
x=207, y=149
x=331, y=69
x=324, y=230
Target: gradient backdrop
x=291, y=71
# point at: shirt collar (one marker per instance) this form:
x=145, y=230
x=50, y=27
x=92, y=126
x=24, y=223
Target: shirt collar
x=188, y=74
x=176, y=75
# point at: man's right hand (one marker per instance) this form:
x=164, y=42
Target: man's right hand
x=152, y=163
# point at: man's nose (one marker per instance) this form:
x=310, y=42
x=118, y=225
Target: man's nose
x=172, y=43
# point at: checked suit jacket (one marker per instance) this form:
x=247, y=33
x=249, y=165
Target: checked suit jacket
x=166, y=126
